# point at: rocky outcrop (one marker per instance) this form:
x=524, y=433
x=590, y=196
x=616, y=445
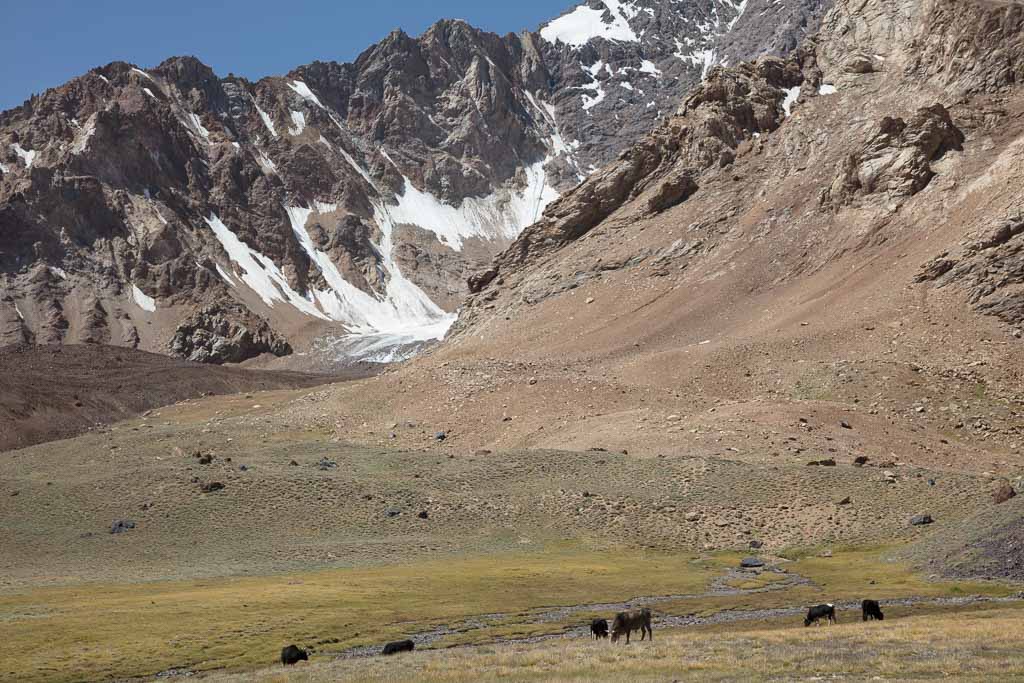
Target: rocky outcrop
x=963, y=47
x=215, y=335
x=771, y=28
x=732, y=107
x=896, y=159
x=1002, y=492
x=988, y=267
x=973, y=46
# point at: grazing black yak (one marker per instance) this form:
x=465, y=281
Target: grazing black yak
x=293, y=655
x=819, y=612
x=633, y=620
x=871, y=610
x=398, y=646
x=599, y=628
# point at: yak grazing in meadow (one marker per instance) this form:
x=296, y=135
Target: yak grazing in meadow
x=633, y=620
x=293, y=655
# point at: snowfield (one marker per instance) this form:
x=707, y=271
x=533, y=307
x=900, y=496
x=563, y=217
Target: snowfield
x=305, y=93
x=583, y=24
x=299, y=119
x=502, y=214
x=266, y=119
x=388, y=325
x=259, y=272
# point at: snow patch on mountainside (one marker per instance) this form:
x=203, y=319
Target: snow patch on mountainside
x=197, y=124
x=701, y=52
x=259, y=272
x=402, y=317
x=557, y=145
x=146, y=303
x=266, y=163
x=648, y=67
x=27, y=155
x=791, y=97
x=225, y=275
x=503, y=214
x=591, y=101
x=405, y=310
x=359, y=169
x=583, y=24
x=266, y=119
x=305, y=93
x=393, y=324
x=82, y=139
x=740, y=8
x=299, y=119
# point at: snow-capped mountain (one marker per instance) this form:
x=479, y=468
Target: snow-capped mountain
x=341, y=207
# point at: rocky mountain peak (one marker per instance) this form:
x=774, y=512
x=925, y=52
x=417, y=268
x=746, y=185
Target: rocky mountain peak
x=342, y=205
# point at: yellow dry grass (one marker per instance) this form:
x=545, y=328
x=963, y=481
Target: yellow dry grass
x=91, y=631
x=95, y=632
x=978, y=645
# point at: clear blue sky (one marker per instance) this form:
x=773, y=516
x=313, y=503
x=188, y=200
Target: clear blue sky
x=48, y=42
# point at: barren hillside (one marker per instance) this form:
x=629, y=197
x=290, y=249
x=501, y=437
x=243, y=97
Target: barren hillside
x=53, y=392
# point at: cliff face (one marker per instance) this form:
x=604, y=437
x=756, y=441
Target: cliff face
x=342, y=206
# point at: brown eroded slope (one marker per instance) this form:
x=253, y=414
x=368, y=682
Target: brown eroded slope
x=53, y=392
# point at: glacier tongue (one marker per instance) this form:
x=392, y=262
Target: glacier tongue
x=400, y=321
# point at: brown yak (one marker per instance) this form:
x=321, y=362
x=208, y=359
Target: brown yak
x=633, y=620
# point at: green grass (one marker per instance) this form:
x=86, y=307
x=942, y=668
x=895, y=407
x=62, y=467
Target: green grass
x=961, y=645
x=849, y=575
x=96, y=631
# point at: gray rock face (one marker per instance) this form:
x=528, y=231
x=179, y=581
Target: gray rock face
x=989, y=267
x=730, y=108
x=896, y=159
x=636, y=69
x=225, y=334
x=215, y=218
